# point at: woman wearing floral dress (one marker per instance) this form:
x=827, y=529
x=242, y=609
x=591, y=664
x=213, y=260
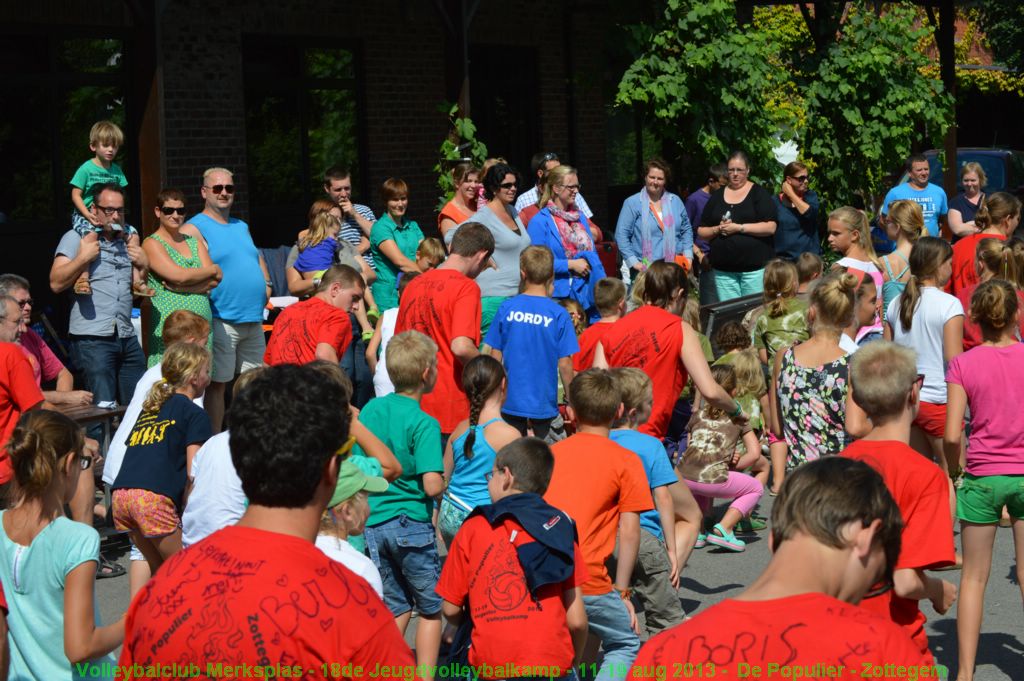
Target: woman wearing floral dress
x=809, y=380
x=180, y=270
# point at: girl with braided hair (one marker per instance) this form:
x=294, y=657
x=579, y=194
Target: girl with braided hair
x=469, y=455
x=149, y=491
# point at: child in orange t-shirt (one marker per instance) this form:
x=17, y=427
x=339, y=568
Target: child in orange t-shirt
x=444, y=304
x=603, y=487
x=518, y=613
x=886, y=389
x=610, y=300
x=800, y=618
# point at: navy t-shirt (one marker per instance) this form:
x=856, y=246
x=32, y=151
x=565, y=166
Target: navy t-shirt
x=155, y=459
x=532, y=333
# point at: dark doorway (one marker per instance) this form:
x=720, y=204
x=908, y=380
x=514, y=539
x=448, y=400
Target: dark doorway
x=504, y=101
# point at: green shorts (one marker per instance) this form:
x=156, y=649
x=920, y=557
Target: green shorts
x=980, y=500
x=488, y=309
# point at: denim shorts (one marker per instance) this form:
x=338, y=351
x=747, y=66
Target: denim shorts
x=405, y=552
x=980, y=499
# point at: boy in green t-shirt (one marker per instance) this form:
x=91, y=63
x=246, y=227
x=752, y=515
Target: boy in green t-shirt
x=399, y=534
x=105, y=139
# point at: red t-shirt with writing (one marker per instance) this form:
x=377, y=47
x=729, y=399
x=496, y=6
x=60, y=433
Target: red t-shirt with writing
x=964, y=272
x=302, y=326
x=596, y=480
x=443, y=304
x=809, y=633
x=921, y=491
x=19, y=392
x=508, y=624
x=588, y=340
x=244, y=596
x=651, y=339
x=972, y=332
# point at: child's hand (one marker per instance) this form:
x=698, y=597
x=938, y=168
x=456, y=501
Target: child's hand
x=673, y=574
x=735, y=458
x=93, y=220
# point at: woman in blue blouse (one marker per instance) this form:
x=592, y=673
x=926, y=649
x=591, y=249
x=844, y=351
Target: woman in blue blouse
x=653, y=225
x=561, y=226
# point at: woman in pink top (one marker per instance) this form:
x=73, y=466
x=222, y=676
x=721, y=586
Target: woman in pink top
x=990, y=379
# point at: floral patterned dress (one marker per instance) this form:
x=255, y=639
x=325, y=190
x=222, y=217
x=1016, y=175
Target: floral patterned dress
x=812, y=401
x=166, y=301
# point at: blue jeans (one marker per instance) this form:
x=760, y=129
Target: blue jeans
x=729, y=285
x=405, y=552
x=353, y=363
x=111, y=367
x=609, y=621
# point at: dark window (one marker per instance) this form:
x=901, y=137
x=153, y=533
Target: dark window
x=503, y=103
x=302, y=116
x=63, y=86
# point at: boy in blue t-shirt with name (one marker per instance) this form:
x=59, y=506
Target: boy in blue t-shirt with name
x=533, y=337
x=656, y=575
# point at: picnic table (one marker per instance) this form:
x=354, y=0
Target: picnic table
x=90, y=413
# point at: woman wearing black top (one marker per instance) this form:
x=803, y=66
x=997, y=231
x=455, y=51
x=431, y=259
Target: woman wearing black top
x=739, y=221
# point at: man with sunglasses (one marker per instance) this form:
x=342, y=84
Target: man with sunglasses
x=886, y=388
x=798, y=206
x=19, y=391
x=103, y=341
x=541, y=163
x=238, y=301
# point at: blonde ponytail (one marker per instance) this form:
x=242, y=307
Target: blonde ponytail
x=181, y=363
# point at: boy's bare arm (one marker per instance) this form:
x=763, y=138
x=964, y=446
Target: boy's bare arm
x=666, y=513
x=565, y=372
x=576, y=619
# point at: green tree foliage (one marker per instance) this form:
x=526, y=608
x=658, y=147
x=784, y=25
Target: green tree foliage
x=461, y=143
x=711, y=83
x=869, y=101
x=1003, y=24
x=849, y=86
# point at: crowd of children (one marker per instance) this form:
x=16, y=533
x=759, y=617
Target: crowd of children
x=307, y=533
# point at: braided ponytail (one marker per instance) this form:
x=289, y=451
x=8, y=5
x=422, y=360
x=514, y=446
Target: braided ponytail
x=180, y=364
x=481, y=378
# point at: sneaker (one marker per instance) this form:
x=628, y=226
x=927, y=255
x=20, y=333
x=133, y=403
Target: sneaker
x=754, y=523
x=702, y=541
x=726, y=540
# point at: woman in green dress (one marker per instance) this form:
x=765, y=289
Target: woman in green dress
x=180, y=270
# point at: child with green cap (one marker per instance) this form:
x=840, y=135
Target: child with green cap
x=346, y=515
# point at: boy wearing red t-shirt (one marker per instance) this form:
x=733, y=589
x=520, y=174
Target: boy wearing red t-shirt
x=610, y=300
x=259, y=594
x=835, y=531
x=603, y=488
x=516, y=568
x=885, y=385
x=319, y=327
x=444, y=304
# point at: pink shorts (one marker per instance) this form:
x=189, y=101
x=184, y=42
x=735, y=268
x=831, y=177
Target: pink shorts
x=151, y=514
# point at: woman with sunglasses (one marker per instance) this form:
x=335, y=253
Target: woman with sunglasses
x=739, y=222
x=501, y=182
x=797, y=206
x=180, y=270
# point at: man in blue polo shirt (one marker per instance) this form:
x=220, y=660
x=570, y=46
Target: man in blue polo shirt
x=918, y=189
x=239, y=300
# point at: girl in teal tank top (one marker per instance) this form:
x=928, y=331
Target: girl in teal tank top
x=470, y=453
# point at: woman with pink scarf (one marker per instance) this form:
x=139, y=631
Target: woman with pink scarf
x=563, y=228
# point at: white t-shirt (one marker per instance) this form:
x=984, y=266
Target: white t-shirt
x=118, y=444
x=382, y=384
x=341, y=551
x=847, y=344
x=934, y=309
x=216, y=500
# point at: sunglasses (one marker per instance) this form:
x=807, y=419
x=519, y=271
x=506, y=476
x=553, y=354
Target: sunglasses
x=26, y=303
x=108, y=211
x=218, y=188
x=508, y=185
x=801, y=178
x=85, y=462
x=167, y=210
x=347, y=447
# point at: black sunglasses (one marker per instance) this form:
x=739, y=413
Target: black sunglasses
x=801, y=178
x=109, y=210
x=167, y=210
x=508, y=185
x=218, y=188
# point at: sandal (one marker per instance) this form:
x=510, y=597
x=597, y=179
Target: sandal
x=726, y=540
x=108, y=568
x=702, y=541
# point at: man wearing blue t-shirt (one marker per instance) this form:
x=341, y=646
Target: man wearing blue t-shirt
x=533, y=337
x=917, y=188
x=239, y=300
